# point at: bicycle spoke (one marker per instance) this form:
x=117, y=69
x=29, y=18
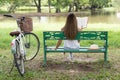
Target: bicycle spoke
x=32, y=45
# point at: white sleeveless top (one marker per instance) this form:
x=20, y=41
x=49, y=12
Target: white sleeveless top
x=72, y=44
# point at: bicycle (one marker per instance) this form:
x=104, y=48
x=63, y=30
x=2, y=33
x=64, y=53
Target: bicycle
x=25, y=46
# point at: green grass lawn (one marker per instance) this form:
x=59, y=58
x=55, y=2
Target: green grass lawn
x=84, y=67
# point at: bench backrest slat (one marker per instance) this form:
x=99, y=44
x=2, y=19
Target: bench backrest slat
x=83, y=35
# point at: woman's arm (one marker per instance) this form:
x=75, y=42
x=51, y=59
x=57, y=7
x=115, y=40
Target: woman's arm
x=58, y=44
x=59, y=41
x=79, y=29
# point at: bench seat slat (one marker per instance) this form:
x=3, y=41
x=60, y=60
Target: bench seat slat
x=81, y=49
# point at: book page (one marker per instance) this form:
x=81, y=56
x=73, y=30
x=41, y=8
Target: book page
x=82, y=22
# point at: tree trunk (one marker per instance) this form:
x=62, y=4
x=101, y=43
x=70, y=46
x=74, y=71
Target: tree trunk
x=58, y=7
x=49, y=3
x=76, y=7
x=12, y=8
x=70, y=8
x=93, y=7
x=58, y=10
x=38, y=5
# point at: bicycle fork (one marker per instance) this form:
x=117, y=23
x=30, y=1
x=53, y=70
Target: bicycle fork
x=13, y=50
x=22, y=49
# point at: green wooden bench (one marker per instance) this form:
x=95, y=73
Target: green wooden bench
x=83, y=35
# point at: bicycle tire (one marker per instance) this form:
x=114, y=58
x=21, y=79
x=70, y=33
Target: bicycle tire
x=18, y=60
x=32, y=45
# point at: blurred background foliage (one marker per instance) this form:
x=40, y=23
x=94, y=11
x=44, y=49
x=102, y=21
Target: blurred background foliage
x=58, y=5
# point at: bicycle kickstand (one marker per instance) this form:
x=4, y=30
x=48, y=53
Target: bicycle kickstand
x=12, y=67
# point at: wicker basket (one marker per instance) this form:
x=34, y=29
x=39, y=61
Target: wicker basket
x=26, y=25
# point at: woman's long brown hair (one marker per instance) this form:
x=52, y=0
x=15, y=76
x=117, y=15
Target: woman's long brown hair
x=70, y=28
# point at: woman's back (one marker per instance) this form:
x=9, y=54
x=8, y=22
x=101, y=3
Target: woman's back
x=70, y=30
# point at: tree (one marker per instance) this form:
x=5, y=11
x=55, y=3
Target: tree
x=98, y=3
x=2, y=2
x=49, y=3
x=57, y=5
x=15, y=3
x=62, y=4
x=116, y=4
x=38, y=5
x=73, y=5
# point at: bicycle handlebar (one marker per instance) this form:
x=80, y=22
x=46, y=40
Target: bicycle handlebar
x=7, y=15
x=18, y=20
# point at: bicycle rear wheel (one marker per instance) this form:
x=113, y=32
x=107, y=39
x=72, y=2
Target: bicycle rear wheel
x=32, y=45
x=18, y=59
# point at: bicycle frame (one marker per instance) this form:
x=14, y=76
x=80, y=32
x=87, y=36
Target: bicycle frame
x=20, y=39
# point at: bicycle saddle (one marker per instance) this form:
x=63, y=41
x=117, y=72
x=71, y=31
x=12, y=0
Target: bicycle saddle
x=14, y=33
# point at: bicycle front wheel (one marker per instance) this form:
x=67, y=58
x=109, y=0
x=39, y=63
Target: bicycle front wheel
x=18, y=60
x=32, y=45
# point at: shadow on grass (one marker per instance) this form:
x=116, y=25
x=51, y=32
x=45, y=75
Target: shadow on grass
x=77, y=66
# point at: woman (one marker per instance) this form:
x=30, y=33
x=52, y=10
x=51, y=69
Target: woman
x=70, y=30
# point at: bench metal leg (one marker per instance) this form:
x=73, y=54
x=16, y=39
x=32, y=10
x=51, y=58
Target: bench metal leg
x=45, y=58
x=105, y=56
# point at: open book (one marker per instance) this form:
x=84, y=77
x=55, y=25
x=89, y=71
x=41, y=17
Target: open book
x=82, y=22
